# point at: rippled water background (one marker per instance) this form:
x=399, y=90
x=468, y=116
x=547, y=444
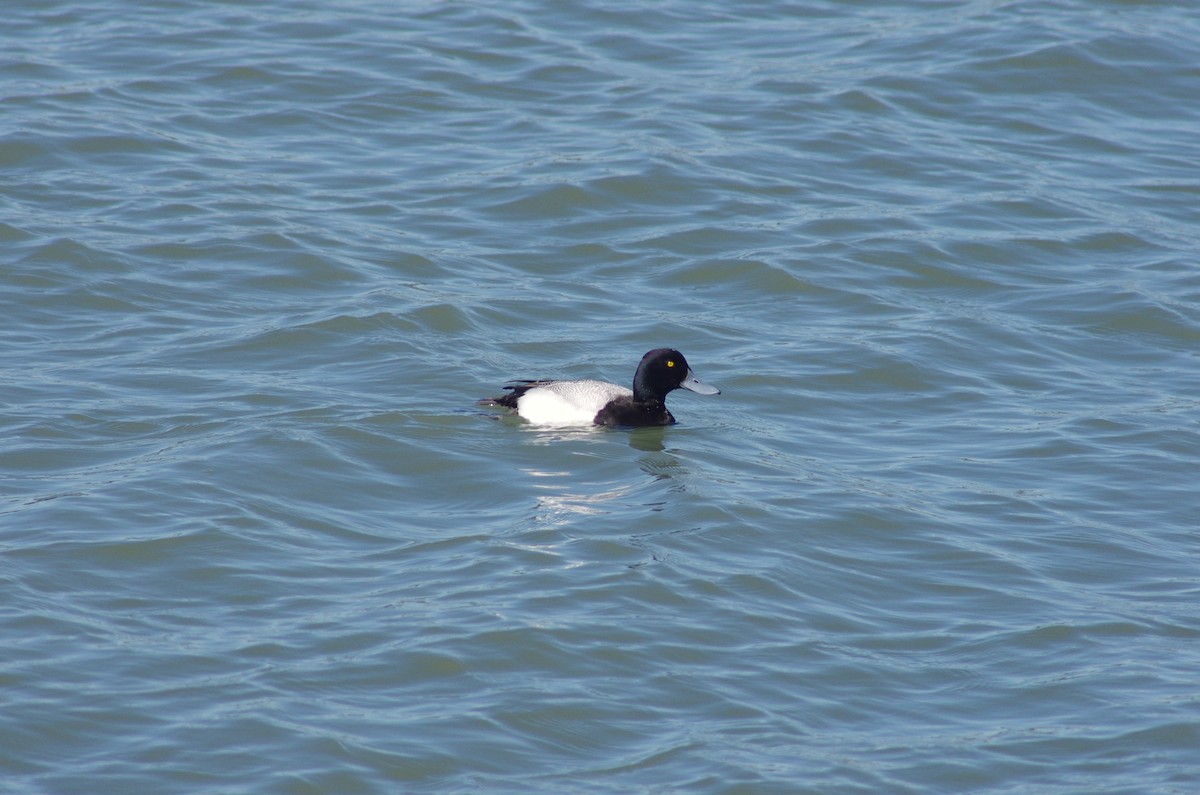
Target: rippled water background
x=937, y=535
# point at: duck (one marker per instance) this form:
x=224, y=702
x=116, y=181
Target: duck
x=590, y=402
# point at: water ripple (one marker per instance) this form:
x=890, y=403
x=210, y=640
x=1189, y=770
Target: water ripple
x=935, y=534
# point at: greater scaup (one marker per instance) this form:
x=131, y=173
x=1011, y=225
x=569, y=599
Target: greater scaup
x=601, y=403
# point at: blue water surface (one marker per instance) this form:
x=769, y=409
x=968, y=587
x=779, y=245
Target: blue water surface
x=936, y=535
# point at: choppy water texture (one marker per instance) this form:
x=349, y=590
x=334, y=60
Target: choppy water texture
x=937, y=535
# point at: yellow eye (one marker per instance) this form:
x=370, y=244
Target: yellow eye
x=670, y=362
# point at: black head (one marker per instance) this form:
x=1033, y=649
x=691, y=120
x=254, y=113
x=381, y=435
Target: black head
x=663, y=370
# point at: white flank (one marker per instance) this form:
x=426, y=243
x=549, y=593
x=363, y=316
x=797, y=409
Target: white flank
x=568, y=402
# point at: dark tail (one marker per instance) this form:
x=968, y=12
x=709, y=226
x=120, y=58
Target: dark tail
x=516, y=389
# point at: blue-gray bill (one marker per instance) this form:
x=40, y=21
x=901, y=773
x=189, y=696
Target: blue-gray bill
x=694, y=384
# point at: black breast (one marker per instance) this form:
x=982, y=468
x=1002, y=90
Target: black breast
x=633, y=413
